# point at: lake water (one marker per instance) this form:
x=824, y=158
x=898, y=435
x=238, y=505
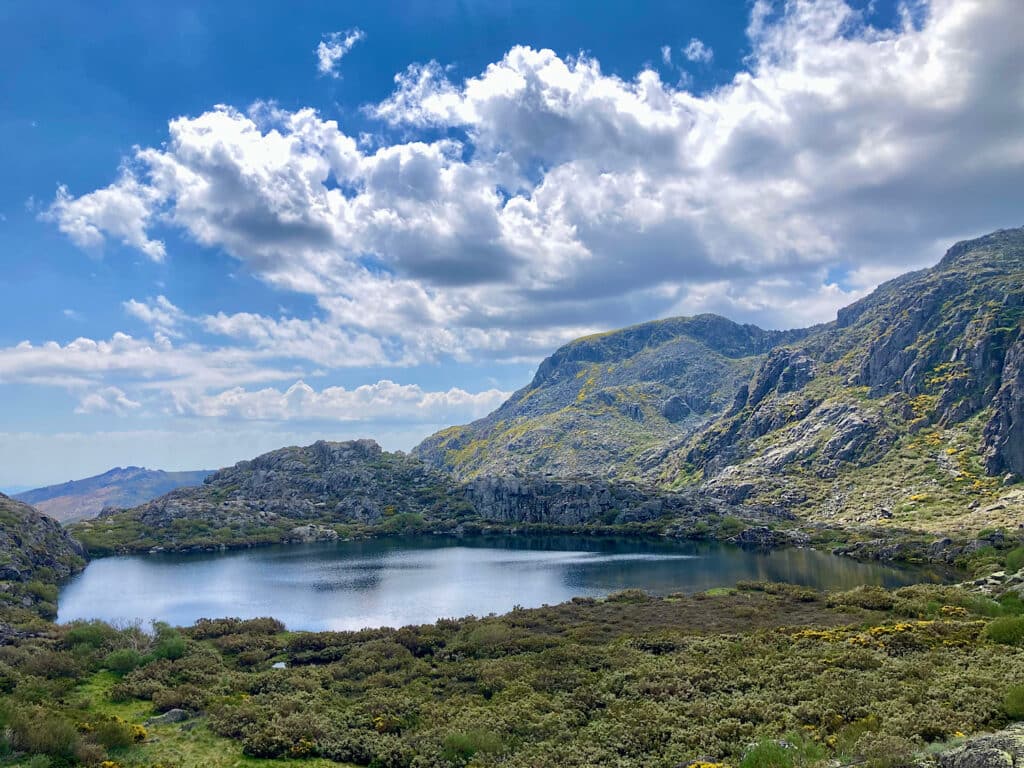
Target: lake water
x=415, y=580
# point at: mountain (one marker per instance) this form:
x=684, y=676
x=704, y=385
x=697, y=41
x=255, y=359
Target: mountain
x=605, y=404
x=908, y=409
x=119, y=487
x=35, y=554
x=327, y=490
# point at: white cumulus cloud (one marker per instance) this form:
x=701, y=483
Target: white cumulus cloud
x=332, y=50
x=697, y=51
x=107, y=400
x=565, y=198
x=384, y=401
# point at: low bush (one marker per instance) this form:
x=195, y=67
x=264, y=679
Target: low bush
x=1008, y=630
x=768, y=754
x=1015, y=559
x=1013, y=702
x=459, y=748
x=123, y=661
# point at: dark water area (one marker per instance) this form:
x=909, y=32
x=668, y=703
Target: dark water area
x=416, y=580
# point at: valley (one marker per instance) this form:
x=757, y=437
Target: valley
x=679, y=523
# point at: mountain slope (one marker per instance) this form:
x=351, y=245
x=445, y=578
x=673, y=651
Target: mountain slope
x=35, y=554
x=119, y=487
x=327, y=490
x=605, y=404
x=907, y=409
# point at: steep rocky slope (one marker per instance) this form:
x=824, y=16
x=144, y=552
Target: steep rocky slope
x=327, y=490
x=905, y=411
x=908, y=409
x=118, y=487
x=604, y=405
x=35, y=554
x=31, y=542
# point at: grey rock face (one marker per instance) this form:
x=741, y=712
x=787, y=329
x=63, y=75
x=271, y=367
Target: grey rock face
x=675, y=409
x=1004, y=749
x=1004, y=433
x=575, y=502
x=30, y=541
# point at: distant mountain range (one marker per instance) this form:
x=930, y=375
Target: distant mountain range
x=119, y=487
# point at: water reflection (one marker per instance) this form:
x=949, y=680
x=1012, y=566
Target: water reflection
x=392, y=582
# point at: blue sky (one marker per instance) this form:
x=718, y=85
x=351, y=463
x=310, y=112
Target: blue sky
x=226, y=227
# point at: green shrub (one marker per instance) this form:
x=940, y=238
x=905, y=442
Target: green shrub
x=169, y=643
x=768, y=754
x=94, y=634
x=1015, y=559
x=1008, y=630
x=114, y=733
x=123, y=661
x=1013, y=702
x=879, y=750
x=459, y=748
x=731, y=526
x=42, y=732
x=871, y=598
x=53, y=664
x=42, y=590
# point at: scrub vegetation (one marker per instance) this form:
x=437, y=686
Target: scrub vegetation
x=761, y=675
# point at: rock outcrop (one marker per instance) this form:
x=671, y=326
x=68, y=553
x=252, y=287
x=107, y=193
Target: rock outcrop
x=1004, y=749
x=34, y=546
x=305, y=494
x=1004, y=433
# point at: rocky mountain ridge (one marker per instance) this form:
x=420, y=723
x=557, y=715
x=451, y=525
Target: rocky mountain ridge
x=903, y=412
x=910, y=403
x=36, y=553
x=907, y=409
x=598, y=405
x=331, y=489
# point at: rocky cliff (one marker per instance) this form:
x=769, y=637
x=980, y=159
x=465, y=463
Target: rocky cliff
x=35, y=554
x=33, y=545
x=605, y=405
x=908, y=408
x=327, y=490
x=118, y=487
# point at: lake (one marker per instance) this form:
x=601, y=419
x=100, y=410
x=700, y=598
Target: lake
x=416, y=580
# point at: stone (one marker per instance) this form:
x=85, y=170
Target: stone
x=169, y=717
x=1004, y=749
x=675, y=408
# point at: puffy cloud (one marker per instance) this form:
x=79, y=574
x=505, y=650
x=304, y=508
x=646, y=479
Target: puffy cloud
x=565, y=198
x=150, y=363
x=123, y=211
x=158, y=313
x=697, y=51
x=384, y=401
x=666, y=54
x=107, y=400
x=333, y=48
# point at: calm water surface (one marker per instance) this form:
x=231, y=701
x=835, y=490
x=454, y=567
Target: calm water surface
x=413, y=580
